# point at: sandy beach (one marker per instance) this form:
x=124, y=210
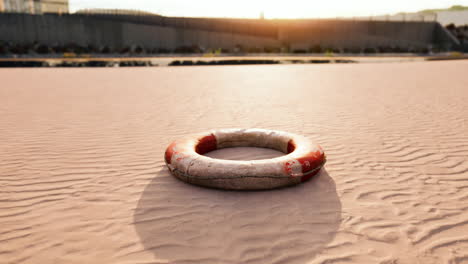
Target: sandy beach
x=83, y=179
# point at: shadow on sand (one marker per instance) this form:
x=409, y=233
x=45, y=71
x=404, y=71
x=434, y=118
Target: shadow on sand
x=181, y=223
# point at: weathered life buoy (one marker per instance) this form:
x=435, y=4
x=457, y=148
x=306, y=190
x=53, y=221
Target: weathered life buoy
x=302, y=160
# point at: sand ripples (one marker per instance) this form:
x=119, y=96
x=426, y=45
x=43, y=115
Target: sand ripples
x=82, y=178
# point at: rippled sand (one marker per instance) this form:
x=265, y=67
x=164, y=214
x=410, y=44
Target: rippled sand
x=82, y=177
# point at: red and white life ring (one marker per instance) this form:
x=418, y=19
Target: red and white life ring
x=186, y=161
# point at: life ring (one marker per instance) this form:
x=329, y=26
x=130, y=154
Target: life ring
x=186, y=161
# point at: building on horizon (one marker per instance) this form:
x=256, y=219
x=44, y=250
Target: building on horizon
x=54, y=6
x=17, y=6
x=34, y=6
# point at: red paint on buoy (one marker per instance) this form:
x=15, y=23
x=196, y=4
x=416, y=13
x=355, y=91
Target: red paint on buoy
x=206, y=144
x=169, y=153
x=311, y=161
x=288, y=167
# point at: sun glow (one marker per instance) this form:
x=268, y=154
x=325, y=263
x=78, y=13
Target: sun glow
x=271, y=8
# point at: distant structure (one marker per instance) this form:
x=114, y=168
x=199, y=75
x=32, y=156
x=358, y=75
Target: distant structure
x=34, y=6
x=105, y=11
x=124, y=31
x=422, y=17
x=17, y=6
x=54, y=6
x=457, y=15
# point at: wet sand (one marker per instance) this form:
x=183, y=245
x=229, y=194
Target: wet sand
x=82, y=176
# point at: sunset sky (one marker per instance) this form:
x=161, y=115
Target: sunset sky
x=271, y=8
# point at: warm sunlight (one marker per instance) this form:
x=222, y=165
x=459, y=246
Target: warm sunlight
x=271, y=8
x=226, y=132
